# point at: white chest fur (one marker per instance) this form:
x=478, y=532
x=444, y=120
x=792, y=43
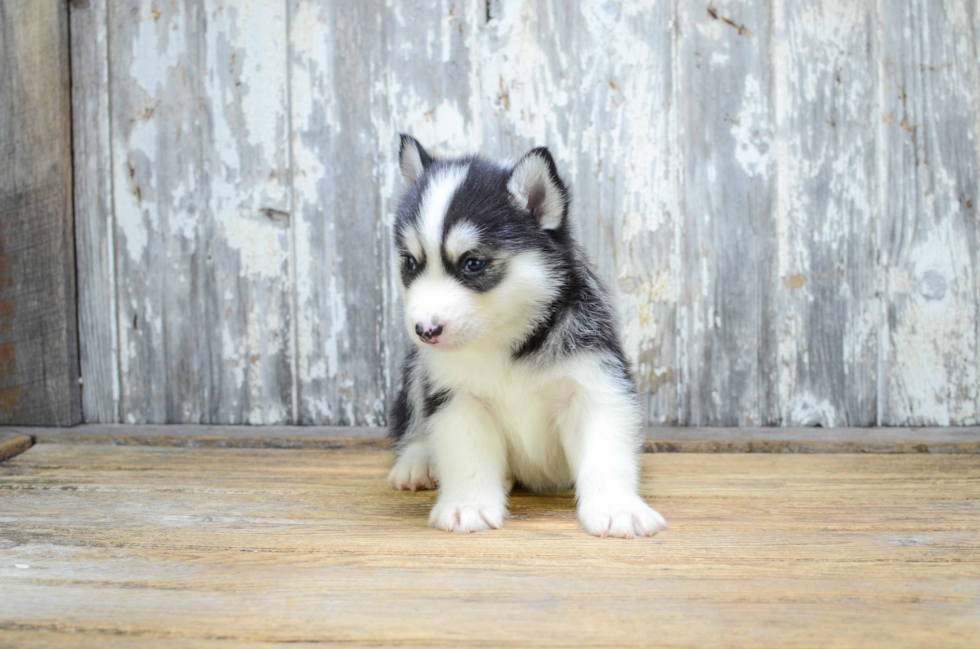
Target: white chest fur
x=529, y=406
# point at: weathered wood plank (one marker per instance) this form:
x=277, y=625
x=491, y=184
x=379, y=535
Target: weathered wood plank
x=734, y=179
x=38, y=325
x=160, y=198
x=185, y=545
x=930, y=233
x=827, y=297
x=94, y=232
x=200, y=131
x=635, y=159
x=435, y=102
x=340, y=134
x=247, y=282
x=658, y=440
x=726, y=338
x=12, y=444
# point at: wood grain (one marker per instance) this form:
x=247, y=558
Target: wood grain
x=94, y=231
x=930, y=232
x=726, y=321
x=658, y=440
x=781, y=198
x=827, y=297
x=12, y=444
x=338, y=98
x=201, y=181
x=160, y=188
x=248, y=286
x=156, y=545
x=38, y=325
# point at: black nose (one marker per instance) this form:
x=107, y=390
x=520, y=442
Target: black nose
x=427, y=334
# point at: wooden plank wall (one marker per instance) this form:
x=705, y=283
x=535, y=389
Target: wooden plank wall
x=39, y=364
x=781, y=195
x=929, y=90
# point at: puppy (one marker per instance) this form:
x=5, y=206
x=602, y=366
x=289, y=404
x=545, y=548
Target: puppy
x=517, y=371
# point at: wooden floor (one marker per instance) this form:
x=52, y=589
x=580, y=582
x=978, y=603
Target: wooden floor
x=108, y=546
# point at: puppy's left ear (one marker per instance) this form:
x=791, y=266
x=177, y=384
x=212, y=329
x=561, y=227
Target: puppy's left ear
x=537, y=188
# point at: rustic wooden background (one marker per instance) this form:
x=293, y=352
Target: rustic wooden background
x=39, y=359
x=781, y=195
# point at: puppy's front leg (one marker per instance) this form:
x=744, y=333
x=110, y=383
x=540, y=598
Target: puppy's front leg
x=471, y=460
x=412, y=469
x=602, y=448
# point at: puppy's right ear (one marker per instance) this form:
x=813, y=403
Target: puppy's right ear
x=412, y=158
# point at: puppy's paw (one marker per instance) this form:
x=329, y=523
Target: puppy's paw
x=412, y=473
x=623, y=516
x=467, y=516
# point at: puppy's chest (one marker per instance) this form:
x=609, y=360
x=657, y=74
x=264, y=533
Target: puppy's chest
x=525, y=403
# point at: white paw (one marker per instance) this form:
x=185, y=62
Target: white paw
x=412, y=473
x=468, y=516
x=620, y=516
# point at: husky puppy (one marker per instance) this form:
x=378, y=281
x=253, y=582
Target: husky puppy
x=516, y=372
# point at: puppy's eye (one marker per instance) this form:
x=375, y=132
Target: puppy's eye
x=410, y=263
x=473, y=265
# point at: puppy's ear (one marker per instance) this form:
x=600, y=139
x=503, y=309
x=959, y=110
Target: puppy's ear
x=537, y=188
x=412, y=158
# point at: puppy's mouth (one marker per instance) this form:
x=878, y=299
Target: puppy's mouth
x=442, y=343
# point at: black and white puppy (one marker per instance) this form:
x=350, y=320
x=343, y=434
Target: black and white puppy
x=517, y=372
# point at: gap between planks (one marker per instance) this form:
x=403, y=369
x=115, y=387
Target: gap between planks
x=658, y=440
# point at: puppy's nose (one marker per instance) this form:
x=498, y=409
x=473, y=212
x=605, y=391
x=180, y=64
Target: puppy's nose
x=429, y=334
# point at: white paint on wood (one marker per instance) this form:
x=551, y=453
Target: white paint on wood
x=929, y=92
x=200, y=141
x=249, y=211
x=341, y=243
x=825, y=213
x=789, y=239
x=726, y=318
x=158, y=195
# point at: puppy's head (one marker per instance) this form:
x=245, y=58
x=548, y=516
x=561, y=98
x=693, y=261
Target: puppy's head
x=480, y=245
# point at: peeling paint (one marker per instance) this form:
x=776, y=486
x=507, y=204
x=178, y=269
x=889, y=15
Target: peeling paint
x=784, y=218
x=930, y=356
x=751, y=130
